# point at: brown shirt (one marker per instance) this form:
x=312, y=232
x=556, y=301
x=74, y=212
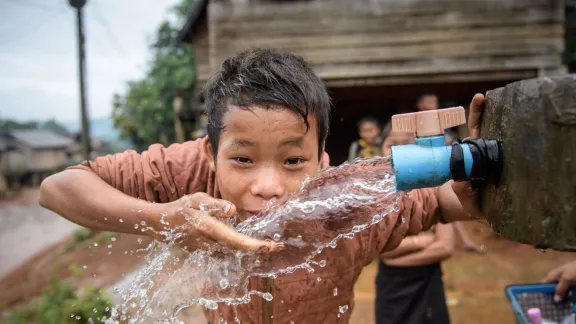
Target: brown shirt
x=165, y=174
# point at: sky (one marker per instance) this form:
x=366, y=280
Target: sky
x=38, y=54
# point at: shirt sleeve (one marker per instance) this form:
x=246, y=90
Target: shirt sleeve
x=417, y=211
x=160, y=174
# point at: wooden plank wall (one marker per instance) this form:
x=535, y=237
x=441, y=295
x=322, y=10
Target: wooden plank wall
x=392, y=40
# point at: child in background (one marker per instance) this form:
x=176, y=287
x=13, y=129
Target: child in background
x=370, y=143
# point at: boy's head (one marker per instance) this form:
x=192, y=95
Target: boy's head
x=369, y=130
x=268, y=119
x=427, y=101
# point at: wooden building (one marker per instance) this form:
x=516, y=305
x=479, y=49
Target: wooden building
x=377, y=56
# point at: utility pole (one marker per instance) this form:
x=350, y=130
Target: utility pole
x=86, y=149
x=177, y=104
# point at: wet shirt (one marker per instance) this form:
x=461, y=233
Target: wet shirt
x=163, y=174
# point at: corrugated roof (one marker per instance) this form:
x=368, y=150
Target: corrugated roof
x=41, y=139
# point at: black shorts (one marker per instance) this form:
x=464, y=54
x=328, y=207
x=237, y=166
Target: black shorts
x=410, y=295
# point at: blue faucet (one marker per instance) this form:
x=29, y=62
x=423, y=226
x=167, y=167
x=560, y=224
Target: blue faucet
x=430, y=163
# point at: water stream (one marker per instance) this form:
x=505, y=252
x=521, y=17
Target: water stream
x=332, y=206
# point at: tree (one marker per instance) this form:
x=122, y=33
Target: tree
x=144, y=114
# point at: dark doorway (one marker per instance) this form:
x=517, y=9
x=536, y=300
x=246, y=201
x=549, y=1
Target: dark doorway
x=381, y=102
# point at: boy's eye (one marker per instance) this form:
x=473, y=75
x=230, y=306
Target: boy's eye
x=242, y=160
x=294, y=161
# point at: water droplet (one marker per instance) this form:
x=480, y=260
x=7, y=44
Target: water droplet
x=257, y=263
x=133, y=305
x=72, y=315
x=377, y=218
x=140, y=241
x=318, y=279
x=113, y=239
x=121, y=220
x=299, y=237
x=224, y=283
x=135, y=226
x=543, y=250
x=307, y=208
x=109, y=246
x=95, y=244
x=267, y=296
x=277, y=237
x=95, y=310
x=338, y=315
x=403, y=219
x=85, y=267
x=343, y=309
x=143, y=223
x=335, y=291
x=140, y=210
x=322, y=263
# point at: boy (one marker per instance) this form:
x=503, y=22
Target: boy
x=369, y=144
x=267, y=124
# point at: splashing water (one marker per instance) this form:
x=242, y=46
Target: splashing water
x=336, y=204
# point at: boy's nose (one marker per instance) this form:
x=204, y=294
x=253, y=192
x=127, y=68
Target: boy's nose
x=268, y=184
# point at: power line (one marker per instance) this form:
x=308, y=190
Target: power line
x=102, y=20
x=29, y=3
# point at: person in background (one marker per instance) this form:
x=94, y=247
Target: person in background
x=565, y=276
x=370, y=142
x=409, y=286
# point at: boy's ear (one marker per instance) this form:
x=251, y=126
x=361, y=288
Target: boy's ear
x=209, y=152
x=324, y=159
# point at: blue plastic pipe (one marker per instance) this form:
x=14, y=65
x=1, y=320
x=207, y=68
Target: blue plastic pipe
x=425, y=164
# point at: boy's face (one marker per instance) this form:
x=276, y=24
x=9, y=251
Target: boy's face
x=369, y=132
x=263, y=154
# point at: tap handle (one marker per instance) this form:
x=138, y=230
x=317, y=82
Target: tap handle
x=429, y=123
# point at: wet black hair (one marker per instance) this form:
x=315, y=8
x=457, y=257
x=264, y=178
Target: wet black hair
x=268, y=79
x=368, y=119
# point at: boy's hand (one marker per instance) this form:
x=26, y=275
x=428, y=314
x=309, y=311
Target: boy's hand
x=565, y=275
x=468, y=197
x=193, y=221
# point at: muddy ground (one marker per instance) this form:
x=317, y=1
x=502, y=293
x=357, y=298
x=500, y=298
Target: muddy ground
x=475, y=281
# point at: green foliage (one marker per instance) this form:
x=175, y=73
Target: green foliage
x=79, y=236
x=144, y=114
x=60, y=304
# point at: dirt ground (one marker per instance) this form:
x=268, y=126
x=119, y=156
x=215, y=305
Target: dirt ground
x=476, y=281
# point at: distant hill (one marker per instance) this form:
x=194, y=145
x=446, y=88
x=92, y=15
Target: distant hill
x=101, y=128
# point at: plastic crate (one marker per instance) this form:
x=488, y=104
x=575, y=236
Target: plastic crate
x=526, y=296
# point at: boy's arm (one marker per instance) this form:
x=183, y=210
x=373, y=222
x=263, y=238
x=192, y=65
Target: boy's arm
x=410, y=244
x=439, y=250
x=103, y=195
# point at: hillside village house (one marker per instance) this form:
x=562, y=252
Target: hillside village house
x=376, y=56
x=34, y=153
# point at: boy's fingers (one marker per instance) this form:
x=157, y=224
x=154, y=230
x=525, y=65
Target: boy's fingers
x=475, y=115
x=214, y=207
x=228, y=236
